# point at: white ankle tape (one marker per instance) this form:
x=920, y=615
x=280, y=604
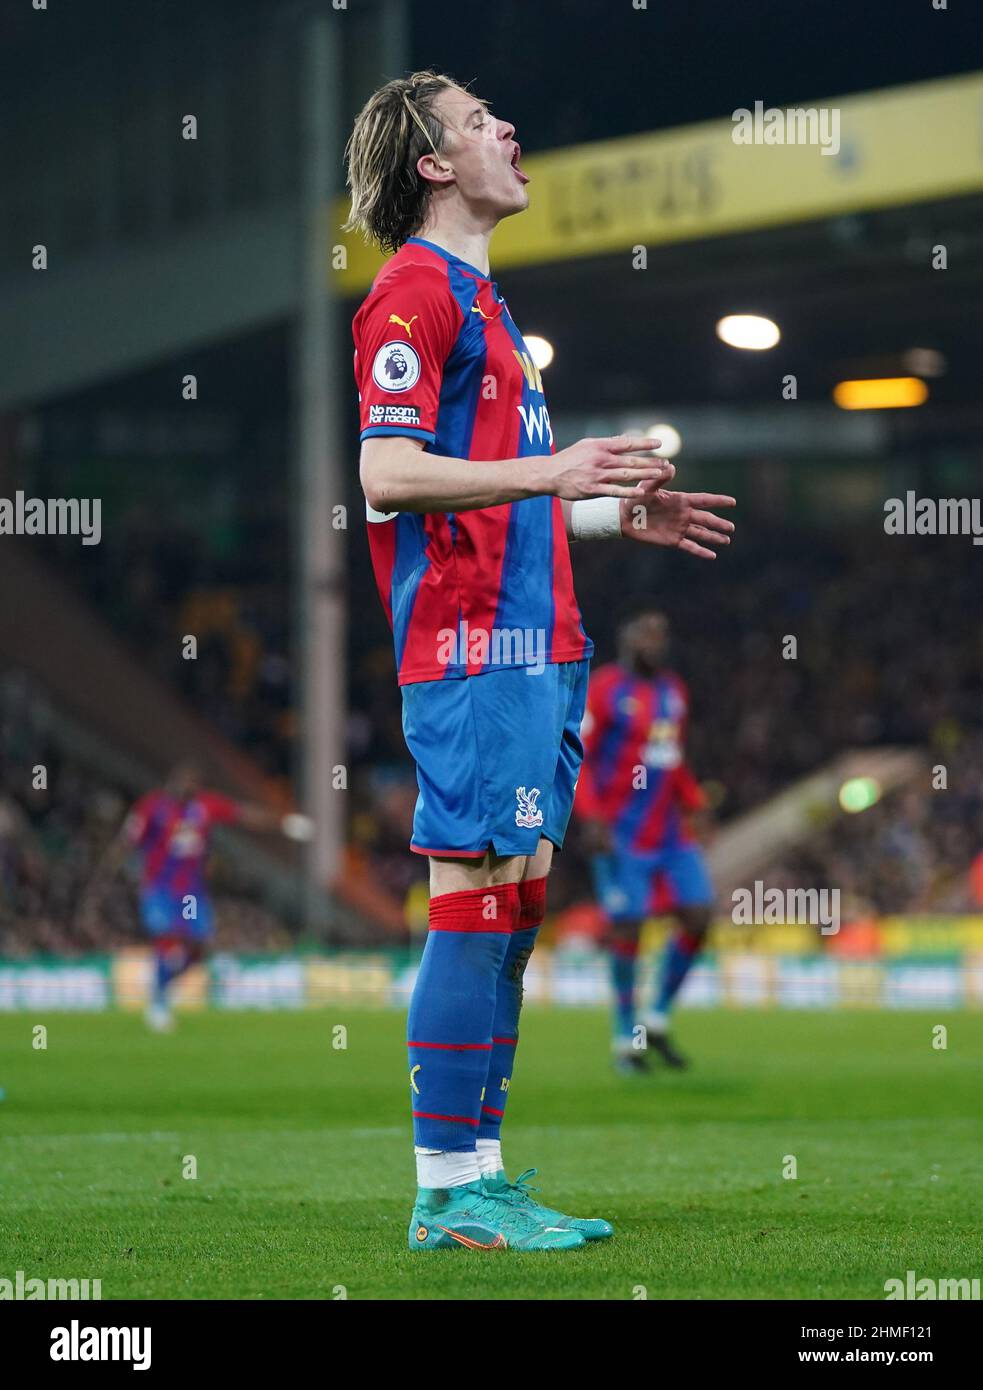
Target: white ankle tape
x=446, y=1168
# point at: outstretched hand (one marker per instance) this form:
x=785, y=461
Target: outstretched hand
x=680, y=520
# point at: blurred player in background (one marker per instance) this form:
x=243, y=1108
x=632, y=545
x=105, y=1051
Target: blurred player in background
x=170, y=829
x=636, y=797
x=470, y=513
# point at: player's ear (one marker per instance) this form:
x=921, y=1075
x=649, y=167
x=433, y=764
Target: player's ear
x=434, y=170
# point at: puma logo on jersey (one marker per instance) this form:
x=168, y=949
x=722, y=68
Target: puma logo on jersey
x=477, y=309
x=394, y=318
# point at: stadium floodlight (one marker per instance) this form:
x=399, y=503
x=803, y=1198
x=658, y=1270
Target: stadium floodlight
x=541, y=350
x=672, y=440
x=881, y=393
x=859, y=793
x=751, y=332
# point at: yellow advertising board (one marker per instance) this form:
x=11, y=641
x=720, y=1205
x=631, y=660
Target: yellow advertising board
x=902, y=145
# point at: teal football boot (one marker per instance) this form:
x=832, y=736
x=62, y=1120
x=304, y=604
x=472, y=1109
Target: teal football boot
x=517, y=1194
x=471, y=1218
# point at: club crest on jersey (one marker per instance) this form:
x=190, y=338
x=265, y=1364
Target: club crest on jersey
x=396, y=367
x=528, y=816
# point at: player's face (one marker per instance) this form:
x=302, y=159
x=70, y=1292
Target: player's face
x=483, y=155
x=649, y=640
x=185, y=782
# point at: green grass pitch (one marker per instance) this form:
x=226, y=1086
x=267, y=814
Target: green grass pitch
x=305, y=1175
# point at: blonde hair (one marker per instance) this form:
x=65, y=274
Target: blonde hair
x=393, y=129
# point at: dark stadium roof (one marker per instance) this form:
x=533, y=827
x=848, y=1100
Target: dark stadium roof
x=567, y=71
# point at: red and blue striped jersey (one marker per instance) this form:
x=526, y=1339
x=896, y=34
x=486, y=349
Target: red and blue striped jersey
x=438, y=358
x=634, y=776
x=173, y=838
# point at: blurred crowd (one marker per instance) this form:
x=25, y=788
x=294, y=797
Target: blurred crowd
x=52, y=839
x=794, y=646
x=911, y=852
x=156, y=583
x=888, y=648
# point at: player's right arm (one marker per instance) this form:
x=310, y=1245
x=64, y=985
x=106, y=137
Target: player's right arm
x=404, y=334
x=129, y=837
x=596, y=833
x=398, y=475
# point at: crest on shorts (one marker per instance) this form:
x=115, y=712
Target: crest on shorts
x=528, y=815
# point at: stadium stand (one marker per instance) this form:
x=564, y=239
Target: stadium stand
x=879, y=666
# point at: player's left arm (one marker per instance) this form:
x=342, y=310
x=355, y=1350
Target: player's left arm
x=661, y=516
x=686, y=789
x=689, y=793
x=695, y=804
x=223, y=810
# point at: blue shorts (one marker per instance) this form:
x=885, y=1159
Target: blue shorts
x=624, y=881
x=497, y=758
x=163, y=914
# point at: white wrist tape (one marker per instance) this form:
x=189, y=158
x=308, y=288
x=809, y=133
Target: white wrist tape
x=596, y=519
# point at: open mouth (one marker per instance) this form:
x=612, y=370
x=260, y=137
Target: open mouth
x=516, y=155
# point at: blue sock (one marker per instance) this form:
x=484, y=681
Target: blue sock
x=681, y=951
x=171, y=959
x=508, y=1004
x=449, y=1028
x=623, y=955
x=505, y=1034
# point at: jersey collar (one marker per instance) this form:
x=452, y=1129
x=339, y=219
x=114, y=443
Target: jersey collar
x=448, y=257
